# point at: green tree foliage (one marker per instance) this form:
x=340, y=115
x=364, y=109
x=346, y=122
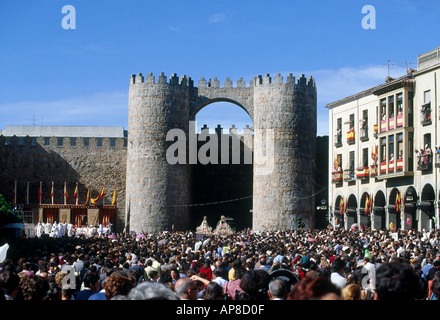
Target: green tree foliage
x=7, y=214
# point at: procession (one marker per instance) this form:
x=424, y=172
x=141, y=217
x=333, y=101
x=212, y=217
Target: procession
x=63, y=229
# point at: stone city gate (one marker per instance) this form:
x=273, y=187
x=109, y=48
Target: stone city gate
x=157, y=192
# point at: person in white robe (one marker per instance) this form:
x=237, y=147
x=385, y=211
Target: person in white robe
x=70, y=232
x=47, y=228
x=39, y=229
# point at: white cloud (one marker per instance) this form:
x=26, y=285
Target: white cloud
x=99, y=109
x=218, y=17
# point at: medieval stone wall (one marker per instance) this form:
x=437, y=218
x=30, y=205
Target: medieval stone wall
x=55, y=159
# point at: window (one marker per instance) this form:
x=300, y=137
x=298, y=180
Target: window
x=99, y=142
x=399, y=100
x=399, y=138
x=21, y=141
x=60, y=141
x=33, y=141
x=365, y=157
x=112, y=142
x=364, y=126
x=86, y=142
x=410, y=151
x=391, y=147
x=338, y=136
x=427, y=96
x=383, y=108
x=410, y=109
x=46, y=141
x=73, y=142
x=351, y=159
x=391, y=106
x=383, y=149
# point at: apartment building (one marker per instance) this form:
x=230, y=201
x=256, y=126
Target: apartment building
x=384, y=158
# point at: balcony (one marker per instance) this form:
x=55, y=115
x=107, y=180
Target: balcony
x=383, y=125
x=391, y=166
x=374, y=171
x=437, y=160
x=338, y=140
x=426, y=114
x=337, y=177
x=363, y=133
x=383, y=167
x=391, y=122
x=425, y=162
x=349, y=175
x=399, y=120
x=363, y=173
x=350, y=137
x=399, y=165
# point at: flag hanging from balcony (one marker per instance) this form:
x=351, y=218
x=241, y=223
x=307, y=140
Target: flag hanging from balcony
x=88, y=196
x=100, y=195
x=40, y=193
x=346, y=206
x=114, y=197
x=75, y=194
x=371, y=203
x=51, y=194
x=66, y=194
x=398, y=202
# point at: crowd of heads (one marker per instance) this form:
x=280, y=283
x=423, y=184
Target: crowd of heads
x=329, y=264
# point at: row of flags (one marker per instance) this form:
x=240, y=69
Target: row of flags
x=399, y=204
x=66, y=195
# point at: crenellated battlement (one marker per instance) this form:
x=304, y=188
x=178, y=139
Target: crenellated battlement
x=174, y=80
x=259, y=80
x=278, y=79
x=63, y=142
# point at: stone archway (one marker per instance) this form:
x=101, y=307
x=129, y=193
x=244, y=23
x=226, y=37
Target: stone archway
x=379, y=218
x=410, y=209
x=352, y=211
x=427, y=211
x=394, y=211
x=284, y=114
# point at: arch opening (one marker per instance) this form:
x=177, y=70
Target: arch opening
x=226, y=187
x=427, y=211
x=379, y=204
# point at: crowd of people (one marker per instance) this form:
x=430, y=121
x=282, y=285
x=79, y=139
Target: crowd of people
x=329, y=264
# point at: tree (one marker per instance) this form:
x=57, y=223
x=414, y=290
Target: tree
x=7, y=214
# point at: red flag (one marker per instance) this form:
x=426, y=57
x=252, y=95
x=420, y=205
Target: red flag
x=40, y=193
x=66, y=194
x=114, y=197
x=100, y=196
x=75, y=194
x=88, y=195
x=51, y=194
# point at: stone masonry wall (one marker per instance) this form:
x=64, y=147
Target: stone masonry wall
x=24, y=159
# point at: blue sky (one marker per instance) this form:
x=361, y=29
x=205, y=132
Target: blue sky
x=53, y=76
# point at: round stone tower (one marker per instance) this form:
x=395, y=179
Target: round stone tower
x=156, y=192
x=284, y=145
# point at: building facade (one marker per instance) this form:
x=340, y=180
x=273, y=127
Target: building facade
x=383, y=160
